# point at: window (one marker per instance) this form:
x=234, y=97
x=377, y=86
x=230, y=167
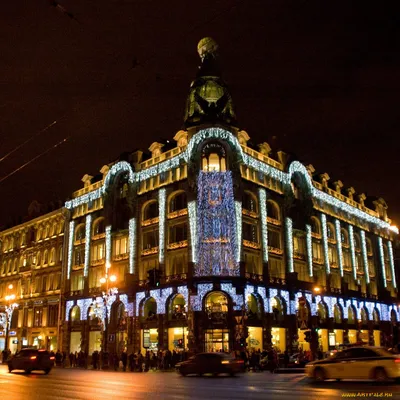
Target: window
x=46, y=231
x=99, y=226
x=299, y=246
x=79, y=255
x=331, y=232
x=150, y=239
x=39, y=233
x=150, y=211
x=44, y=283
x=80, y=232
x=178, y=202
x=52, y=256
x=249, y=202
x=52, y=318
x=120, y=246
x=178, y=233
x=344, y=237
x=213, y=158
x=333, y=257
x=98, y=252
x=250, y=232
x=37, y=316
x=38, y=259
x=315, y=226
x=274, y=239
x=46, y=258
x=23, y=239
x=273, y=210
x=357, y=242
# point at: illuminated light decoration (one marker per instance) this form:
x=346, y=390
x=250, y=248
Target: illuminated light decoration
x=70, y=247
x=162, y=198
x=213, y=133
x=313, y=305
x=263, y=294
x=216, y=235
x=184, y=291
x=248, y=290
x=360, y=306
x=108, y=246
x=196, y=302
x=370, y=307
x=351, y=303
x=266, y=169
x=364, y=255
x=385, y=316
x=68, y=305
x=286, y=297
x=264, y=227
x=193, y=226
x=116, y=169
x=289, y=243
x=294, y=303
x=109, y=299
x=156, y=295
x=394, y=229
x=325, y=243
x=272, y=294
x=165, y=294
x=330, y=302
x=238, y=212
x=139, y=298
x=237, y=299
x=352, y=251
x=128, y=306
x=391, y=261
x=132, y=245
x=345, y=309
x=84, y=305
x=88, y=231
x=309, y=250
x=382, y=258
x=339, y=246
x=298, y=167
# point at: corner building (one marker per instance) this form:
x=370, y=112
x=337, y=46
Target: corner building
x=215, y=244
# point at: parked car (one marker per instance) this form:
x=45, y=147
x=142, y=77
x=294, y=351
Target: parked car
x=365, y=362
x=210, y=363
x=30, y=360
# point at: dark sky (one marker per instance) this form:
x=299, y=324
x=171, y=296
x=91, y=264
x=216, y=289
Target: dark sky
x=318, y=79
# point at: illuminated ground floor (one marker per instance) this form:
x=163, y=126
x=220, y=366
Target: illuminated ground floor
x=222, y=317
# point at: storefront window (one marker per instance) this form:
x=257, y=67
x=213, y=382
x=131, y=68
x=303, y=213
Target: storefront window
x=278, y=338
x=217, y=340
x=177, y=308
x=337, y=314
x=150, y=309
x=351, y=316
x=277, y=310
x=216, y=303
x=322, y=313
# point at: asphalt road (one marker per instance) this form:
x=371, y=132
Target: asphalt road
x=97, y=385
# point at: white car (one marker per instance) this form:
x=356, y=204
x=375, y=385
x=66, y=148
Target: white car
x=365, y=362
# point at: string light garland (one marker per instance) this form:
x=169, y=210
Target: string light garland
x=165, y=294
x=237, y=299
x=339, y=246
x=325, y=243
x=263, y=294
x=196, y=302
x=364, y=255
x=248, y=291
x=108, y=246
x=391, y=261
x=352, y=252
x=88, y=231
x=262, y=195
x=84, y=305
x=139, y=298
x=289, y=243
x=309, y=250
x=157, y=296
x=70, y=247
x=239, y=224
x=272, y=294
x=132, y=245
x=184, y=291
x=217, y=243
x=382, y=258
x=344, y=308
x=193, y=226
x=68, y=305
x=162, y=198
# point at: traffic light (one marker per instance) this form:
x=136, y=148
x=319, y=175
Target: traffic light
x=307, y=336
x=242, y=342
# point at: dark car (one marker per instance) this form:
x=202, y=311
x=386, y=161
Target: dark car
x=210, y=363
x=30, y=360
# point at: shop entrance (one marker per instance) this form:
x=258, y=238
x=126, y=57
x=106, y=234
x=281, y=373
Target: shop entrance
x=75, y=342
x=278, y=338
x=217, y=340
x=303, y=345
x=95, y=341
x=150, y=339
x=254, y=340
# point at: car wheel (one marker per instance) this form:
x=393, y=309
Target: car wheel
x=10, y=369
x=28, y=371
x=319, y=375
x=183, y=373
x=47, y=370
x=380, y=375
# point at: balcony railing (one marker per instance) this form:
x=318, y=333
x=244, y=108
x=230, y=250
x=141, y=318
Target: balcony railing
x=99, y=236
x=150, y=221
x=177, y=213
x=254, y=277
x=249, y=213
x=95, y=263
x=177, y=245
x=274, y=221
x=120, y=257
x=251, y=245
x=275, y=250
x=147, y=252
x=78, y=267
x=176, y=277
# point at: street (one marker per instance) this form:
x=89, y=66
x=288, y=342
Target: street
x=80, y=384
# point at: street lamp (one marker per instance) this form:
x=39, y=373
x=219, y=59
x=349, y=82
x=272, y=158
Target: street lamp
x=317, y=289
x=10, y=307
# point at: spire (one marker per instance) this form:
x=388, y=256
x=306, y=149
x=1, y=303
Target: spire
x=209, y=100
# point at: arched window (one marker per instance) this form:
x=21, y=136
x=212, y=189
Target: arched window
x=9, y=267
x=273, y=210
x=3, y=268
x=375, y=316
x=322, y=313
x=337, y=314
x=178, y=202
x=99, y=226
x=369, y=246
x=150, y=210
x=150, y=309
x=393, y=317
x=351, y=315
x=52, y=260
x=75, y=314
x=118, y=315
x=213, y=158
x=46, y=231
x=331, y=232
x=216, y=302
x=80, y=232
x=249, y=202
x=177, y=308
x=278, y=311
x=15, y=266
x=357, y=242
x=364, y=316
x=315, y=226
x=38, y=259
x=46, y=257
x=344, y=237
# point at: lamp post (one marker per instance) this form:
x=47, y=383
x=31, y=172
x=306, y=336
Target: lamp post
x=10, y=307
x=107, y=293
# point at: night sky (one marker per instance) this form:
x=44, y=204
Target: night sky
x=314, y=79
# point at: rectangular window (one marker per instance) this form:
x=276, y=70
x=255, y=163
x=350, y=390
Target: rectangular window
x=98, y=252
x=44, y=284
x=37, y=316
x=150, y=239
x=299, y=246
x=52, y=315
x=274, y=239
x=250, y=232
x=120, y=246
x=26, y=313
x=178, y=233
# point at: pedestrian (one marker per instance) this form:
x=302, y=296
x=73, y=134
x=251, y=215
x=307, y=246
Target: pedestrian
x=124, y=359
x=140, y=362
x=286, y=358
x=131, y=362
x=115, y=361
x=95, y=359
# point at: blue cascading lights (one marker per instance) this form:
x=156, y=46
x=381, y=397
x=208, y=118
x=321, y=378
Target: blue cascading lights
x=216, y=223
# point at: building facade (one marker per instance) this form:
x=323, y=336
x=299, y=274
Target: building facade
x=215, y=245
x=31, y=258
